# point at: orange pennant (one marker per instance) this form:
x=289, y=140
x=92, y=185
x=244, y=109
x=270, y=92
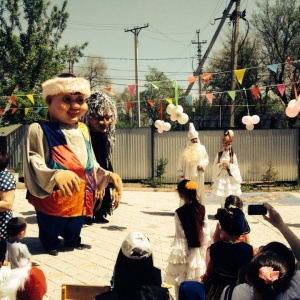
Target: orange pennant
x=150, y=102
x=1, y=111
x=108, y=89
x=13, y=110
x=13, y=100
x=206, y=77
x=281, y=88
x=192, y=79
x=131, y=88
x=255, y=91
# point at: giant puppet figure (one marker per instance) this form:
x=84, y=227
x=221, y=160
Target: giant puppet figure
x=60, y=168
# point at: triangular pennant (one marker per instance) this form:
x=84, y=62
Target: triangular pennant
x=240, y=75
x=206, y=77
x=13, y=110
x=156, y=84
x=13, y=99
x=128, y=105
x=170, y=100
x=38, y=110
x=150, y=102
x=108, y=89
x=210, y=97
x=189, y=99
x=232, y=94
x=281, y=88
x=1, y=111
x=131, y=88
x=192, y=79
x=255, y=92
x=26, y=110
x=30, y=97
x=273, y=67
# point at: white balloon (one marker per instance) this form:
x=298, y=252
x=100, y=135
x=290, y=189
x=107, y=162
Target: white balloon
x=250, y=127
x=292, y=102
x=166, y=126
x=160, y=130
x=183, y=119
x=170, y=108
x=158, y=123
x=255, y=119
x=179, y=108
x=247, y=120
x=291, y=111
x=173, y=117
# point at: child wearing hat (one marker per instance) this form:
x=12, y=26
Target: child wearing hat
x=60, y=170
x=226, y=173
x=135, y=277
x=192, y=236
x=226, y=257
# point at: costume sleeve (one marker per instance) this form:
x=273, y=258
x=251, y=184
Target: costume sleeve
x=102, y=176
x=235, y=170
x=25, y=252
x=39, y=179
x=204, y=158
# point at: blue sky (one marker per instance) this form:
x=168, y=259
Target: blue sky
x=165, y=44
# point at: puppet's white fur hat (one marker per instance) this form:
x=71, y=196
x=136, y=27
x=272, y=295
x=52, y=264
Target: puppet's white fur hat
x=59, y=85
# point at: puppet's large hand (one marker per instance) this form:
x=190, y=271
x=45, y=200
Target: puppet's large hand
x=116, y=180
x=67, y=182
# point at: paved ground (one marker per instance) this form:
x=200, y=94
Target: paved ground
x=146, y=211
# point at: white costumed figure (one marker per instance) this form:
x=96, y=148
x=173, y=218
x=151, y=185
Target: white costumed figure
x=227, y=178
x=192, y=162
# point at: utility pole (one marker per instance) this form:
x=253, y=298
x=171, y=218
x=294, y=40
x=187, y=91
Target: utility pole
x=136, y=31
x=235, y=46
x=196, y=73
x=199, y=55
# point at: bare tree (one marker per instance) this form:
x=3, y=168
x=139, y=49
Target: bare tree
x=95, y=70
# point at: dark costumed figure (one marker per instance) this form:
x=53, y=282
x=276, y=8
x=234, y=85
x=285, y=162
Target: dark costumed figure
x=101, y=119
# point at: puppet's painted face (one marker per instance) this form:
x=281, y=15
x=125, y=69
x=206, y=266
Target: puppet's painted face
x=99, y=123
x=66, y=108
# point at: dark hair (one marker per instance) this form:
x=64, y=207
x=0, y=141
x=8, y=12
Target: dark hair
x=66, y=75
x=131, y=274
x=15, y=226
x=268, y=259
x=190, y=194
x=284, y=252
x=3, y=159
x=233, y=200
x=3, y=248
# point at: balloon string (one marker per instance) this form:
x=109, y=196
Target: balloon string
x=160, y=109
x=292, y=76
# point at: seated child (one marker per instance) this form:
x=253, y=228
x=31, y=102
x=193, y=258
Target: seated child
x=16, y=251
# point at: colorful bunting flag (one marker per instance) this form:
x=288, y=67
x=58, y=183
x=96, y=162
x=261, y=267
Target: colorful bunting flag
x=26, y=110
x=255, y=92
x=240, y=75
x=13, y=100
x=210, y=97
x=128, y=105
x=232, y=94
x=13, y=110
x=273, y=67
x=206, y=77
x=156, y=84
x=189, y=99
x=169, y=100
x=108, y=89
x=281, y=88
x=151, y=102
x=30, y=97
x=131, y=88
x=192, y=79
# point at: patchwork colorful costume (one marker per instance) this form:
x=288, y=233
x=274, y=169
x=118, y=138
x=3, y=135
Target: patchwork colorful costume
x=52, y=147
